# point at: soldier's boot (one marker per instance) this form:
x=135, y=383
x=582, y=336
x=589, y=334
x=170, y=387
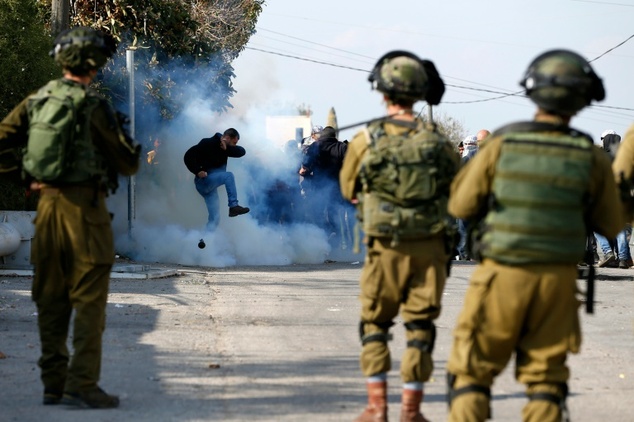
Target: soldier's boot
x=94, y=398
x=376, y=411
x=410, y=406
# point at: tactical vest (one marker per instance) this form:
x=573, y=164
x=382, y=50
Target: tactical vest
x=60, y=149
x=536, y=213
x=405, y=181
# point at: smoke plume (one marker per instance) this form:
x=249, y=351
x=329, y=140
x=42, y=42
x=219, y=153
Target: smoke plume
x=170, y=216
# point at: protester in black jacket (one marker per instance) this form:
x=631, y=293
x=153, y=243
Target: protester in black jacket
x=207, y=160
x=323, y=160
x=325, y=157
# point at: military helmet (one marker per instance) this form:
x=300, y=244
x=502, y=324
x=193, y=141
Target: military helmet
x=82, y=49
x=562, y=82
x=400, y=75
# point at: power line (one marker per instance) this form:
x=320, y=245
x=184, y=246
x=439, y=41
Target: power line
x=311, y=48
x=615, y=47
x=307, y=60
x=315, y=43
x=500, y=96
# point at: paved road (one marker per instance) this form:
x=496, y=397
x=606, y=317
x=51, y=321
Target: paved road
x=281, y=344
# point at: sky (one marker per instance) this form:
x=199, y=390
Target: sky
x=318, y=54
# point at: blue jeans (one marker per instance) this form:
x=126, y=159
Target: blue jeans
x=462, y=243
x=208, y=186
x=621, y=244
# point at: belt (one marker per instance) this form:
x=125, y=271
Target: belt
x=88, y=190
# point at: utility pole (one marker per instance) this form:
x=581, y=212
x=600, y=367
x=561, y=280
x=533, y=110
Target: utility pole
x=131, y=179
x=60, y=16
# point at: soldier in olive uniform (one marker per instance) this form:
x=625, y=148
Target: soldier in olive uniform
x=533, y=194
x=405, y=268
x=73, y=247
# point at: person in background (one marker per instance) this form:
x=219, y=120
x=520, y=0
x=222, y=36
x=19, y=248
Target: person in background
x=207, y=160
x=73, y=248
x=315, y=133
x=533, y=195
x=616, y=252
x=406, y=263
x=470, y=145
x=470, y=148
x=323, y=160
x=306, y=179
x=481, y=136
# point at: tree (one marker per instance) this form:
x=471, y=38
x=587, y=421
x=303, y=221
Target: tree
x=181, y=45
x=450, y=127
x=24, y=66
x=60, y=16
x=24, y=45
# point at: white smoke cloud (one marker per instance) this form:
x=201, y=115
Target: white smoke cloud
x=170, y=216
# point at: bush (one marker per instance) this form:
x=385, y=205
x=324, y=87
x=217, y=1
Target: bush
x=24, y=66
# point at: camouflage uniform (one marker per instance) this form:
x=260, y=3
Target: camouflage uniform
x=529, y=308
x=409, y=274
x=72, y=253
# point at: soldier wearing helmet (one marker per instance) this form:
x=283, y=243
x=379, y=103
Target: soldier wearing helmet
x=73, y=248
x=82, y=50
x=406, y=262
x=533, y=196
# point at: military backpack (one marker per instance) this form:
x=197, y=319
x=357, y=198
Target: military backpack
x=405, y=182
x=59, y=148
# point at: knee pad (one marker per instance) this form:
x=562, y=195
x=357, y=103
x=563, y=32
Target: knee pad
x=422, y=325
x=559, y=400
x=382, y=336
x=472, y=388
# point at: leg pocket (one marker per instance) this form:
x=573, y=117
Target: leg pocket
x=466, y=357
x=99, y=243
x=370, y=284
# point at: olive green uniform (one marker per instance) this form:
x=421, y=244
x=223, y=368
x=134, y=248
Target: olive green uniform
x=409, y=276
x=72, y=253
x=529, y=308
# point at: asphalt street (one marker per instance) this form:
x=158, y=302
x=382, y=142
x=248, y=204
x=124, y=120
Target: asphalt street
x=281, y=344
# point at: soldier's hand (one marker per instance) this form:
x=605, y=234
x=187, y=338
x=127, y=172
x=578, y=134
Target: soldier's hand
x=201, y=174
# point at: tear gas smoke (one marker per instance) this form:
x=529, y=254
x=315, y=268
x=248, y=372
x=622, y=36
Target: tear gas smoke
x=171, y=215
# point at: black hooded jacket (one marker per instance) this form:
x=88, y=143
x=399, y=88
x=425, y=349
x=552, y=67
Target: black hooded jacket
x=208, y=155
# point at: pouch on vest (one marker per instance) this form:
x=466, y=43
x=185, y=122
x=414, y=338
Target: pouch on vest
x=405, y=182
x=536, y=211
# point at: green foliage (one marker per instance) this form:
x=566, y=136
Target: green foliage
x=24, y=66
x=24, y=45
x=14, y=197
x=181, y=46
